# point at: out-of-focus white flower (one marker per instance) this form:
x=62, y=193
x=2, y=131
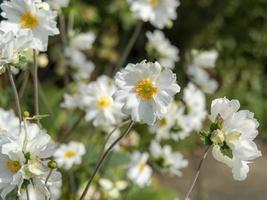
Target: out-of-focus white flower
x=195, y=102
x=158, y=12
x=161, y=48
x=169, y=161
x=140, y=172
x=197, y=69
x=146, y=89
x=58, y=4
x=83, y=41
x=25, y=154
x=8, y=120
x=11, y=46
x=112, y=189
x=82, y=66
x=233, y=140
x=96, y=99
x=69, y=154
x=172, y=125
x=32, y=15
x=71, y=101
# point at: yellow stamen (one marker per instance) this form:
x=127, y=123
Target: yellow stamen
x=162, y=122
x=232, y=137
x=145, y=89
x=104, y=102
x=141, y=166
x=153, y=3
x=13, y=166
x=28, y=20
x=70, y=153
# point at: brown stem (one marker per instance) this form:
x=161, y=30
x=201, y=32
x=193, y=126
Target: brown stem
x=103, y=157
x=15, y=91
x=197, y=174
x=36, y=85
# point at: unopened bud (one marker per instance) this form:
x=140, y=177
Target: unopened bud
x=52, y=164
x=26, y=114
x=217, y=137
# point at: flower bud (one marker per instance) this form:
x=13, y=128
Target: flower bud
x=26, y=114
x=217, y=137
x=52, y=164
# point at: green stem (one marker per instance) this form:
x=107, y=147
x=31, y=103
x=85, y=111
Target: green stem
x=104, y=156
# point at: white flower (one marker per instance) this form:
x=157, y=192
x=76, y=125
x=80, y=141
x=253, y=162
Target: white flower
x=205, y=59
x=165, y=53
x=54, y=184
x=198, y=70
x=169, y=161
x=195, y=103
x=8, y=120
x=70, y=101
x=32, y=15
x=25, y=154
x=11, y=46
x=112, y=188
x=58, y=4
x=83, y=41
x=140, y=172
x=146, y=89
x=82, y=66
x=233, y=141
x=70, y=154
x=96, y=99
x=157, y=12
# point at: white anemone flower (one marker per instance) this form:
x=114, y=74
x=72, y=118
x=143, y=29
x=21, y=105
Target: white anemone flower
x=58, y=4
x=195, y=102
x=8, y=120
x=100, y=107
x=69, y=155
x=32, y=15
x=83, y=41
x=201, y=62
x=140, y=172
x=146, y=89
x=161, y=48
x=170, y=161
x=158, y=12
x=11, y=46
x=233, y=140
x=112, y=189
x=78, y=61
x=25, y=154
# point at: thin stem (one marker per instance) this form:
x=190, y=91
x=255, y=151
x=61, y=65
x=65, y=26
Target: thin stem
x=24, y=83
x=36, y=84
x=103, y=157
x=197, y=174
x=111, y=133
x=15, y=91
x=129, y=46
x=48, y=176
x=27, y=193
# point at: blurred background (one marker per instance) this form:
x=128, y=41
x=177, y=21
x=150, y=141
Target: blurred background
x=236, y=29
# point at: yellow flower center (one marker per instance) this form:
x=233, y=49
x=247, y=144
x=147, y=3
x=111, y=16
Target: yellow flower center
x=162, y=122
x=28, y=20
x=232, y=137
x=13, y=166
x=141, y=166
x=145, y=89
x=70, y=153
x=153, y=3
x=103, y=102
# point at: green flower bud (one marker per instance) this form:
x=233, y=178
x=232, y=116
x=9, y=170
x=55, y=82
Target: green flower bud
x=52, y=164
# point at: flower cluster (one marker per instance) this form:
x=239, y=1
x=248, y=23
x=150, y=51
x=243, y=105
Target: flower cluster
x=25, y=151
